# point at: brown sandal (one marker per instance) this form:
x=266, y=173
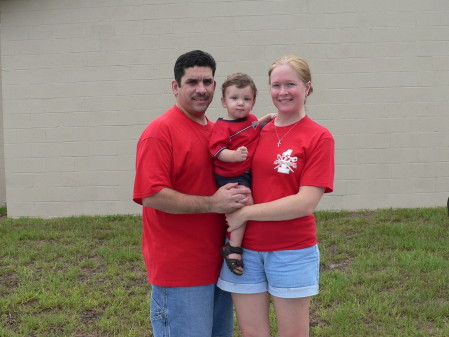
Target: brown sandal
x=232, y=264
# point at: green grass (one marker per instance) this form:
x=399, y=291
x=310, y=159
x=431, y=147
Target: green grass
x=80, y=276
x=383, y=273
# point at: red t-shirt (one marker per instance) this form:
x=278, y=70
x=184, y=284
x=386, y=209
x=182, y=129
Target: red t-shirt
x=231, y=134
x=179, y=250
x=304, y=158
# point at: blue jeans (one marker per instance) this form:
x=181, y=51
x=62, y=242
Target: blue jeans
x=203, y=311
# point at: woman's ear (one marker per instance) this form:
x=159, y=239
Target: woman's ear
x=308, y=88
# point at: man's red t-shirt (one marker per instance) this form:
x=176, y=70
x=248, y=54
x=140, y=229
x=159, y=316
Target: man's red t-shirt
x=179, y=250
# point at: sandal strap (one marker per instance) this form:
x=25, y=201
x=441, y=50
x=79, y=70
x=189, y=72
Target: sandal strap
x=228, y=249
x=235, y=263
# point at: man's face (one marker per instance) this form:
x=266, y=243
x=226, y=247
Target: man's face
x=196, y=91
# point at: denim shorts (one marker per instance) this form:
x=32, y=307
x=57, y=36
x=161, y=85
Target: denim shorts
x=285, y=273
x=191, y=311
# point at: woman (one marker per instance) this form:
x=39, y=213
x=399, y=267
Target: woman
x=293, y=167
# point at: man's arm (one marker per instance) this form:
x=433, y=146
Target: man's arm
x=226, y=199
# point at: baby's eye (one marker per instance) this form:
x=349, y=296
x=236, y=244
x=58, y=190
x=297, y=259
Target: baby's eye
x=248, y=99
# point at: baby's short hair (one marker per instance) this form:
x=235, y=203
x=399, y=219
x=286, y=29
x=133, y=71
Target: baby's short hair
x=240, y=80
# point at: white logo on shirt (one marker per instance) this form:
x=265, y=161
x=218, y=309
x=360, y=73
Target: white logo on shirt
x=285, y=163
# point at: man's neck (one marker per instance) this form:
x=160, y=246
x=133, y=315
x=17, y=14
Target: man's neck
x=199, y=118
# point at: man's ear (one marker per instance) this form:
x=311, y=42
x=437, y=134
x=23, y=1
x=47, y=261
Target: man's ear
x=174, y=87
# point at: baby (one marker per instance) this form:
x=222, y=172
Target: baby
x=232, y=144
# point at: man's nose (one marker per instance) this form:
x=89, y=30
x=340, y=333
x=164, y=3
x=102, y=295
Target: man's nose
x=201, y=88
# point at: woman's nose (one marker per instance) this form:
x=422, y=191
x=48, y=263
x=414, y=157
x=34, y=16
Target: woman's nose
x=284, y=90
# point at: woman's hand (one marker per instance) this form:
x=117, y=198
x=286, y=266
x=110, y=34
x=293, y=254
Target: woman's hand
x=235, y=219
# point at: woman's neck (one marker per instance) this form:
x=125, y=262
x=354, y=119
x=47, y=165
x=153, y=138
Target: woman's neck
x=288, y=119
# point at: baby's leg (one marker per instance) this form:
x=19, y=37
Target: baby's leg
x=236, y=236
x=235, y=240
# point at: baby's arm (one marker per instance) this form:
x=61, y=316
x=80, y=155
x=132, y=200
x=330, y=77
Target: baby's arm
x=267, y=118
x=232, y=156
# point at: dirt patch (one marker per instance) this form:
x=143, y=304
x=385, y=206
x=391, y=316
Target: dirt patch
x=89, y=316
x=314, y=320
x=358, y=215
x=341, y=265
x=8, y=281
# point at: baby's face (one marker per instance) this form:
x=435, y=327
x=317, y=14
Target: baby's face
x=238, y=101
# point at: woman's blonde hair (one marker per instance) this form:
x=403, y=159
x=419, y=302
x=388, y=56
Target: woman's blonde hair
x=298, y=64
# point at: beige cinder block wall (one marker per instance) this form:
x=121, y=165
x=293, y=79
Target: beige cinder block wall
x=2, y=160
x=82, y=79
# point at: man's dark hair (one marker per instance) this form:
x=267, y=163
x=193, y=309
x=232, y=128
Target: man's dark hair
x=193, y=58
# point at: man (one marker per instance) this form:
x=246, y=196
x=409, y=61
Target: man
x=182, y=232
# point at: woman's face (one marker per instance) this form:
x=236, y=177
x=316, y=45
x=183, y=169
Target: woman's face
x=287, y=89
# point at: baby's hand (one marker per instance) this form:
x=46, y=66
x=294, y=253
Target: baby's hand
x=241, y=153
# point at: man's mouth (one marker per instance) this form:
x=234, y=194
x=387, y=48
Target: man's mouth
x=200, y=98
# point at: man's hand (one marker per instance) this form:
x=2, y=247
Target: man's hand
x=228, y=198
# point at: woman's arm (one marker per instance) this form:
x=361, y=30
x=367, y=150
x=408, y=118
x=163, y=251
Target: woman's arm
x=295, y=206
